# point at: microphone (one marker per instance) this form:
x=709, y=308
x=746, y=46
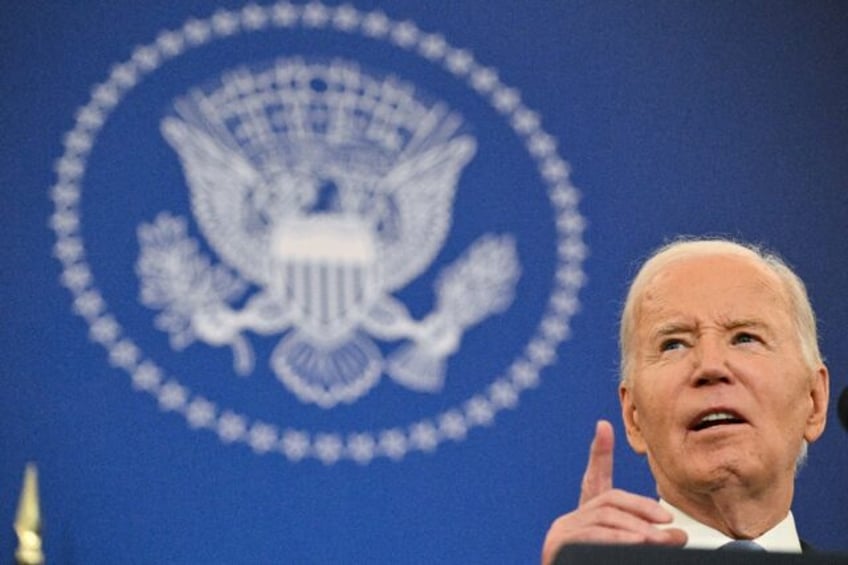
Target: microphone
x=842, y=409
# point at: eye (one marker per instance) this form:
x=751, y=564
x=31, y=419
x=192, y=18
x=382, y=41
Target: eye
x=671, y=344
x=745, y=337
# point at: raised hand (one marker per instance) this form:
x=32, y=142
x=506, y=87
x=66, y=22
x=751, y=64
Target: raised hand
x=608, y=515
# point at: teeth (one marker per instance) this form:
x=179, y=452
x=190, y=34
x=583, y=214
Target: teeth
x=717, y=416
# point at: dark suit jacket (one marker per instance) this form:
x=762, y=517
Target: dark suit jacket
x=656, y=555
x=807, y=548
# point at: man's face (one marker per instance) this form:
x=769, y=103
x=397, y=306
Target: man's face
x=719, y=393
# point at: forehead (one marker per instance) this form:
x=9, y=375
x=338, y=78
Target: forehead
x=714, y=286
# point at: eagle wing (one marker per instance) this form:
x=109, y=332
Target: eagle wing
x=224, y=187
x=420, y=192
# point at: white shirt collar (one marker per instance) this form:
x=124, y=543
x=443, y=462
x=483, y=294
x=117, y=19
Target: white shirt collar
x=781, y=538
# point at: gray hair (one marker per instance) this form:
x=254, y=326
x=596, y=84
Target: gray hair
x=801, y=309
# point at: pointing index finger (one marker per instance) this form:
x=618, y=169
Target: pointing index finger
x=598, y=476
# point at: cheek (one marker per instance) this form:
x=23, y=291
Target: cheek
x=657, y=387
x=792, y=409
x=657, y=405
x=652, y=411
x=786, y=403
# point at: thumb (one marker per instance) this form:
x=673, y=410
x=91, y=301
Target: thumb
x=598, y=476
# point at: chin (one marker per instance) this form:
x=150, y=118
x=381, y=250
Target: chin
x=718, y=473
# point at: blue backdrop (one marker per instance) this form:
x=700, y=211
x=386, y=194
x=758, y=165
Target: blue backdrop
x=470, y=185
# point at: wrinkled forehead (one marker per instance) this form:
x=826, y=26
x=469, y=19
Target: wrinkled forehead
x=714, y=286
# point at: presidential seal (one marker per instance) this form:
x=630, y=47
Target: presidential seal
x=322, y=243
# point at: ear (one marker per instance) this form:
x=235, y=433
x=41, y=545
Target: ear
x=630, y=416
x=819, y=394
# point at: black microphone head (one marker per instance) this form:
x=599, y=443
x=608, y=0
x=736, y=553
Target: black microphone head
x=842, y=408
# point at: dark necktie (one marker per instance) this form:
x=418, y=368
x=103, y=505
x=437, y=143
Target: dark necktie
x=742, y=545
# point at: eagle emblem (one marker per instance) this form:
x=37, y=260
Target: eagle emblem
x=323, y=190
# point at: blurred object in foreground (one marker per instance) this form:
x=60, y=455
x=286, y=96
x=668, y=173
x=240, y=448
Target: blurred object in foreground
x=28, y=521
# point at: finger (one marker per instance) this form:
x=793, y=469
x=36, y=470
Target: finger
x=604, y=535
x=645, y=508
x=559, y=537
x=616, y=516
x=675, y=537
x=598, y=476
x=601, y=534
x=613, y=518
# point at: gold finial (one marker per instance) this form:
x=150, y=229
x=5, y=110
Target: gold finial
x=28, y=521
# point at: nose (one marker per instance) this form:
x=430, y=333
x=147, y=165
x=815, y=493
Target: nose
x=710, y=363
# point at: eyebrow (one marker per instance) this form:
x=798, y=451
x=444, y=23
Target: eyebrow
x=746, y=323
x=684, y=327
x=672, y=328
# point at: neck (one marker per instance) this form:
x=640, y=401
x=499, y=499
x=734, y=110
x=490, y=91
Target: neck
x=735, y=511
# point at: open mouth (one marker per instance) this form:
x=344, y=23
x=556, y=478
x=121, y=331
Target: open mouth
x=716, y=418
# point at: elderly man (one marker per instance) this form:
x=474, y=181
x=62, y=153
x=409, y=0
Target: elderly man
x=722, y=388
